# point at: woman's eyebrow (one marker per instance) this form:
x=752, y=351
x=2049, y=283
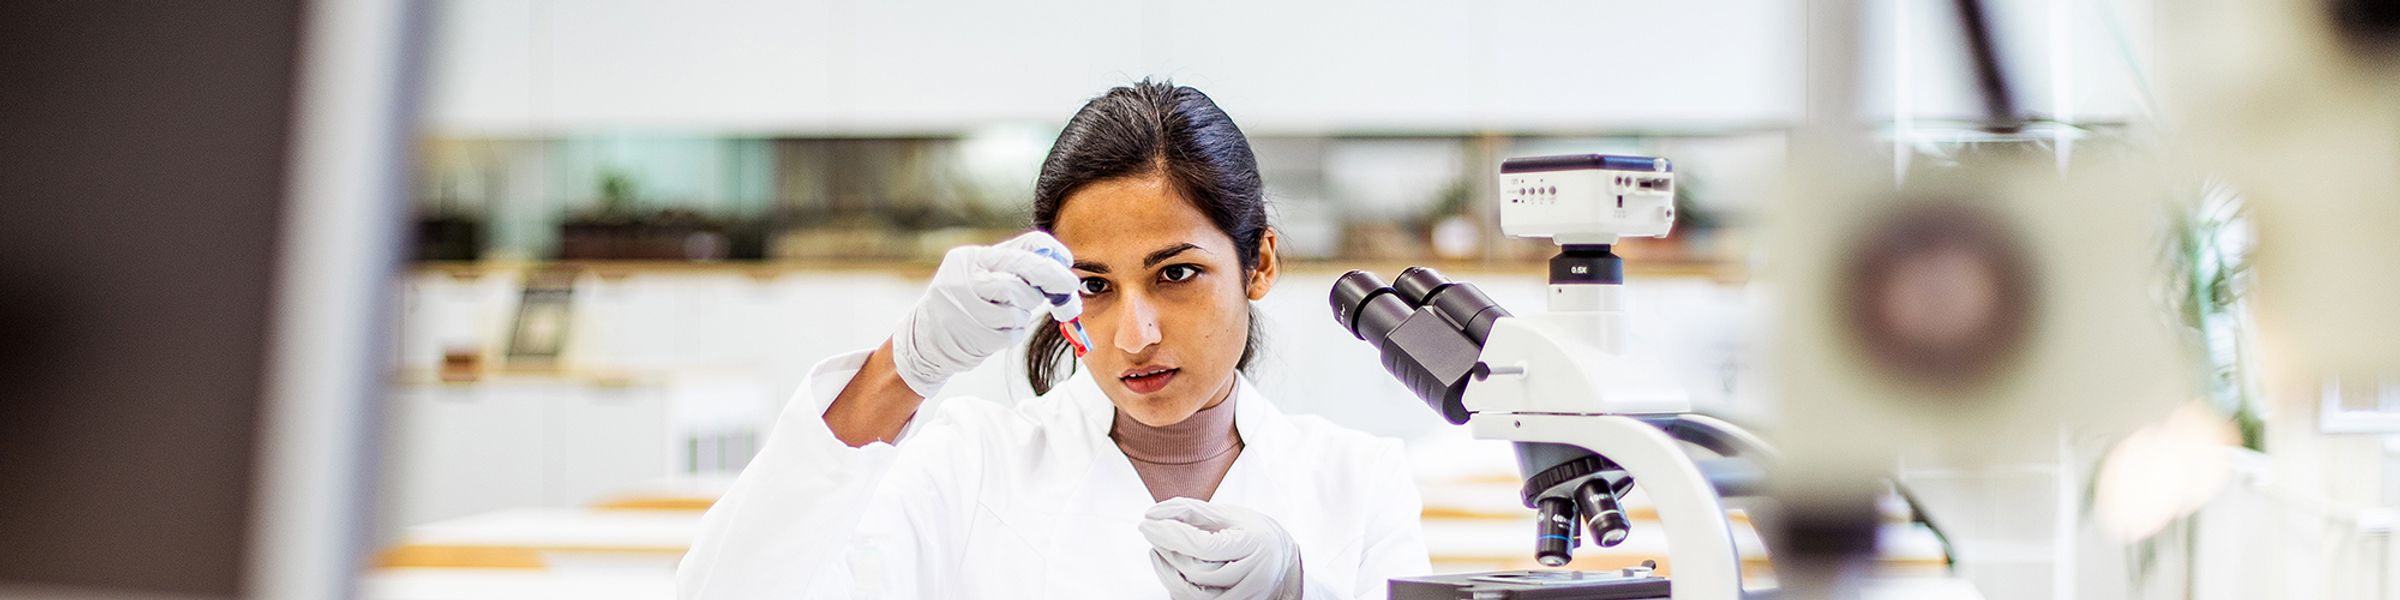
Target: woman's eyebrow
x=1155, y=257
x=1162, y=254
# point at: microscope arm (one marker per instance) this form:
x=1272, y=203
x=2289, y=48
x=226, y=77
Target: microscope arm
x=1720, y=437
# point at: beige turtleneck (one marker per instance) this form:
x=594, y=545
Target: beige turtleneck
x=1186, y=459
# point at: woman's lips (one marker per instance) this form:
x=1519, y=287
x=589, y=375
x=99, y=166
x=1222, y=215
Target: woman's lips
x=1147, y=380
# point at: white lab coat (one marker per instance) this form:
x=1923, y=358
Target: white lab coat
x=984, y=500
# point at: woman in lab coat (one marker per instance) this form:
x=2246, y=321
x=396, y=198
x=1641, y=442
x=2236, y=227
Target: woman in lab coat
x=1154, y=470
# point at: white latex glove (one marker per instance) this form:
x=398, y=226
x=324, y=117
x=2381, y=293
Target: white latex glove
x=983, y=298
x=1202, y=550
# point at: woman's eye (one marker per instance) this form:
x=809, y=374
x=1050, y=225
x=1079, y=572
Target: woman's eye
x=1093, y=286
x=1174, y=273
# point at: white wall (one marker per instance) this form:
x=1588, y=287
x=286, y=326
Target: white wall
x=534, y=67
x=842, y=67
x=2081, y=60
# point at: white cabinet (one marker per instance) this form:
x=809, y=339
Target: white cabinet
x=459, y=449
x=599, y=440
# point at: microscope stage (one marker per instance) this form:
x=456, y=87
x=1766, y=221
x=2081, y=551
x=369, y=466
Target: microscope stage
x=1623, y=584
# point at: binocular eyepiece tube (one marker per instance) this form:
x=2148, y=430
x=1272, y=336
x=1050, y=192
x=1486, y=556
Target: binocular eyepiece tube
x=1428, y=329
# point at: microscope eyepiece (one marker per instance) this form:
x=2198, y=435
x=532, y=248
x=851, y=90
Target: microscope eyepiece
x=1367, y=308
x=1462, y=304
x=1418, y=283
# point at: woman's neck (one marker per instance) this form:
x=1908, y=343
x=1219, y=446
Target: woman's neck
x=1207, y=434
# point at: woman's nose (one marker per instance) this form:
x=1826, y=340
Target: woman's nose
x=1137, y=327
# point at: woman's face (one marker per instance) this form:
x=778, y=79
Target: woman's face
x=1164, y=296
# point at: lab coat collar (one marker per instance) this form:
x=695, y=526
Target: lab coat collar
x=1254, y=416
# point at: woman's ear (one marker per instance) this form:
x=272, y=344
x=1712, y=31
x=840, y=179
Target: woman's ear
x=1263, y=277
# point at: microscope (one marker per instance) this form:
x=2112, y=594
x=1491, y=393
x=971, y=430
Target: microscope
x=1590, y=418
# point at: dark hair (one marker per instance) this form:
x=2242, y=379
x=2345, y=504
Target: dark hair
x=1155, y=129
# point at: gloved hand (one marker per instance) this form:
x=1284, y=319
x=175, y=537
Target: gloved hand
x=1202, y=550
x=983, y=298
